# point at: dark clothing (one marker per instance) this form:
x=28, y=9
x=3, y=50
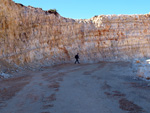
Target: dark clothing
x=77, y=59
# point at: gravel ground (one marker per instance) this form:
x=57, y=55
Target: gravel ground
x=104, y=87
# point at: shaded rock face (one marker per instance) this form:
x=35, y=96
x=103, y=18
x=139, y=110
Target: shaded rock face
x=31, y=35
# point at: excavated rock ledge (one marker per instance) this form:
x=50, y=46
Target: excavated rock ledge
x=32, y=36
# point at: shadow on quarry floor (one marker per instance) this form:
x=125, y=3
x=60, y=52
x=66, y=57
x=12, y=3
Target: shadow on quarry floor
x=104, y=87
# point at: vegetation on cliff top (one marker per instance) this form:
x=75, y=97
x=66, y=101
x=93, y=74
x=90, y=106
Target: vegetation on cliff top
x=53, y=11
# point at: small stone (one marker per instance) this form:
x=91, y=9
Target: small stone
x=148, y=78
x=137, y=61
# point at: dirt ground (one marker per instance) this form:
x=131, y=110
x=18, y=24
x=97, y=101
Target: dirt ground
x=104, y=87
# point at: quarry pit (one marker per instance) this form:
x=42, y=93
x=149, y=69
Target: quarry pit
x=37, y=70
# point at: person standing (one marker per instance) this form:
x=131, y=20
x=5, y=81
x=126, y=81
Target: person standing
x=77, y=58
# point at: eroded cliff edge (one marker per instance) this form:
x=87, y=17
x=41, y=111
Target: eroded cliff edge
x=31, y=35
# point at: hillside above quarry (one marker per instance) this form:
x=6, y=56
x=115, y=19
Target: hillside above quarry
x=32, y=36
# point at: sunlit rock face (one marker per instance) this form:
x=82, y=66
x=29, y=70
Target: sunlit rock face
x=31, y=35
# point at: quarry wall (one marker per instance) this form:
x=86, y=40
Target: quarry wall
x=31, y=35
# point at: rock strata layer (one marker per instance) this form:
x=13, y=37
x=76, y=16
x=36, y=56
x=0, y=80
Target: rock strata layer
x=31, y=35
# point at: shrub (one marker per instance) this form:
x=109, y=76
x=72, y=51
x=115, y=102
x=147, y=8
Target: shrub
x=53, y=11
x=96, y=16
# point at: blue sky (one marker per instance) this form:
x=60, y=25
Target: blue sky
x=84, y=9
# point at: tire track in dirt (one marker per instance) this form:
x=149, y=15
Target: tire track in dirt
x=54, y=79
x=10, y=87
x=124, y=103
x=102, y=65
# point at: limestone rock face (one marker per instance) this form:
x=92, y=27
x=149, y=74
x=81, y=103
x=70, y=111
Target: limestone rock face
x=31, y=35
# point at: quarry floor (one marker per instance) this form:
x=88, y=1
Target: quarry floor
x=104, y=87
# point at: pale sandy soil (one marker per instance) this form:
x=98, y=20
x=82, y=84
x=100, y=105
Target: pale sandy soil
x=104, y=87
